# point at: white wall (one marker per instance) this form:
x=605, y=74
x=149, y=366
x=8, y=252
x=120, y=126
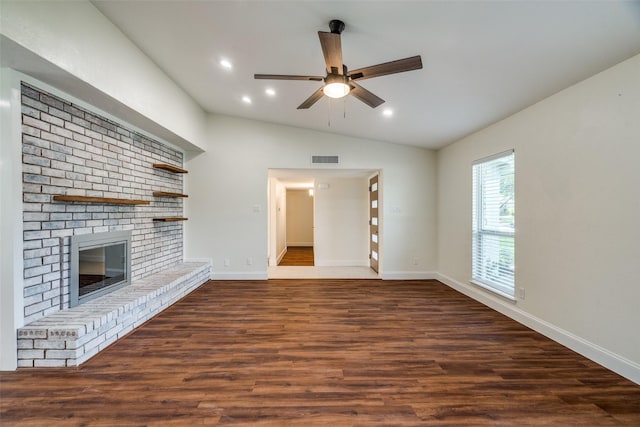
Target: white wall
x=342, y=214
x=72, y=46
x=299, y=218
x=577, y=215
x=227, y=187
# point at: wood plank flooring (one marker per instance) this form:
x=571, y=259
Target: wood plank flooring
x=325, y=352
x=298, y=256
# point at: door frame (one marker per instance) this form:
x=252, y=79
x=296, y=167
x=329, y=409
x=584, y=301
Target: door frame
x=374, y=222
x=278, y=176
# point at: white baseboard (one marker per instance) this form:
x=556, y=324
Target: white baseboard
x=408, y=275
x=602, y=356
x=341, y=263
x=281, y=255
x=304, y=244
x=239, y=275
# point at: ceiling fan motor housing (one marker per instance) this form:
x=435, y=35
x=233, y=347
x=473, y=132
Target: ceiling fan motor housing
x=336, y=26
x=337, y=78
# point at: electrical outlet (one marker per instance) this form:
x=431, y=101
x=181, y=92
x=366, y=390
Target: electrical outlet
x=414, y=261
x=521, y=293
x=227, y=263
x=249, y=261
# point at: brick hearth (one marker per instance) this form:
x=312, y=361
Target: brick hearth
x=70, y=337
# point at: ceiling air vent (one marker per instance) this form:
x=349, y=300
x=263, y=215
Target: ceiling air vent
x=325, y=160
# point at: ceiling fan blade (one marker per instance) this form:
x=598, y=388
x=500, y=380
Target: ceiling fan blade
x=311, y=100
x=332, y=51
x=398, y=66
x=287, y=77
x=365, y=96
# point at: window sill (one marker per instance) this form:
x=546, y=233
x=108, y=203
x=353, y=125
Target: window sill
x=495, y=291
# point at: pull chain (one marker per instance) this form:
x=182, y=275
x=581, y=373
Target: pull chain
x=329, y=106
x=344, y=107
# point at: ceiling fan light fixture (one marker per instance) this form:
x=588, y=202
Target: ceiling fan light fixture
x=336, y=86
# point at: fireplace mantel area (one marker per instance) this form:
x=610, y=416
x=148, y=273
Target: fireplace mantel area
x=75, y=163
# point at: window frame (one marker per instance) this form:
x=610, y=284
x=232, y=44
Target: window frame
x=479, y=231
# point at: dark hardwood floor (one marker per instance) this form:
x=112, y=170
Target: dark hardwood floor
x=298, y=256
x=325, y=353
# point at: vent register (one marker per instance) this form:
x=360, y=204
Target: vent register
x=325, y=160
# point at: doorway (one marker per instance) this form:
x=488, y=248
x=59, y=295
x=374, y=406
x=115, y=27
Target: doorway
x=341, y=235
x=299, y=228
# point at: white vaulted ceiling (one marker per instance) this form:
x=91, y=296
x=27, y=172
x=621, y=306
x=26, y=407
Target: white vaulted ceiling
x=483, y=60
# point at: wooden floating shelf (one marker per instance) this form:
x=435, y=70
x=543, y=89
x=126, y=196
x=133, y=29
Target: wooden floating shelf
x=166, y=194
x=106, y=200
x=169, y=168
x=170, y=219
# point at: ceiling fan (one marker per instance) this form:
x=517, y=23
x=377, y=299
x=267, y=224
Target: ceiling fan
x=339, y=81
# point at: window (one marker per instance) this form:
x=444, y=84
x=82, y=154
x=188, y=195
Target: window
x=493, y=247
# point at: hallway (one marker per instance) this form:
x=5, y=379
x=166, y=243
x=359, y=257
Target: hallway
x=298, y=256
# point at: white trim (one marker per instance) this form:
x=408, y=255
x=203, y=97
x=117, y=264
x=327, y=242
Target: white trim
x=492, y=289
x=11, y=238
x=239, y=275
x=409, y=275
x=494, y=156
x=606, y=358
x=281, y=255
x=341, y=263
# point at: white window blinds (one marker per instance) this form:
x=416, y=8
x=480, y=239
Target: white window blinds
x=493, y=246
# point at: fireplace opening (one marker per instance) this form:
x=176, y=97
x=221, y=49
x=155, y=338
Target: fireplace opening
x=100, y=263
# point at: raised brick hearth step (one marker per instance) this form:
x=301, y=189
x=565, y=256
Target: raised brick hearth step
x=72, y=336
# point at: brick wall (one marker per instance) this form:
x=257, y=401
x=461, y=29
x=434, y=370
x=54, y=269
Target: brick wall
x=70, y=150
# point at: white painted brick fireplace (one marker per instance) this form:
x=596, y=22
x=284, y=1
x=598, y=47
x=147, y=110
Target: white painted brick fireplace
x=69, y=150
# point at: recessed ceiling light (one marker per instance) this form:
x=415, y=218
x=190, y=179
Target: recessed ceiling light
x=246, y=99
x=226, y=64
x=388, y=112
x=270, y=92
